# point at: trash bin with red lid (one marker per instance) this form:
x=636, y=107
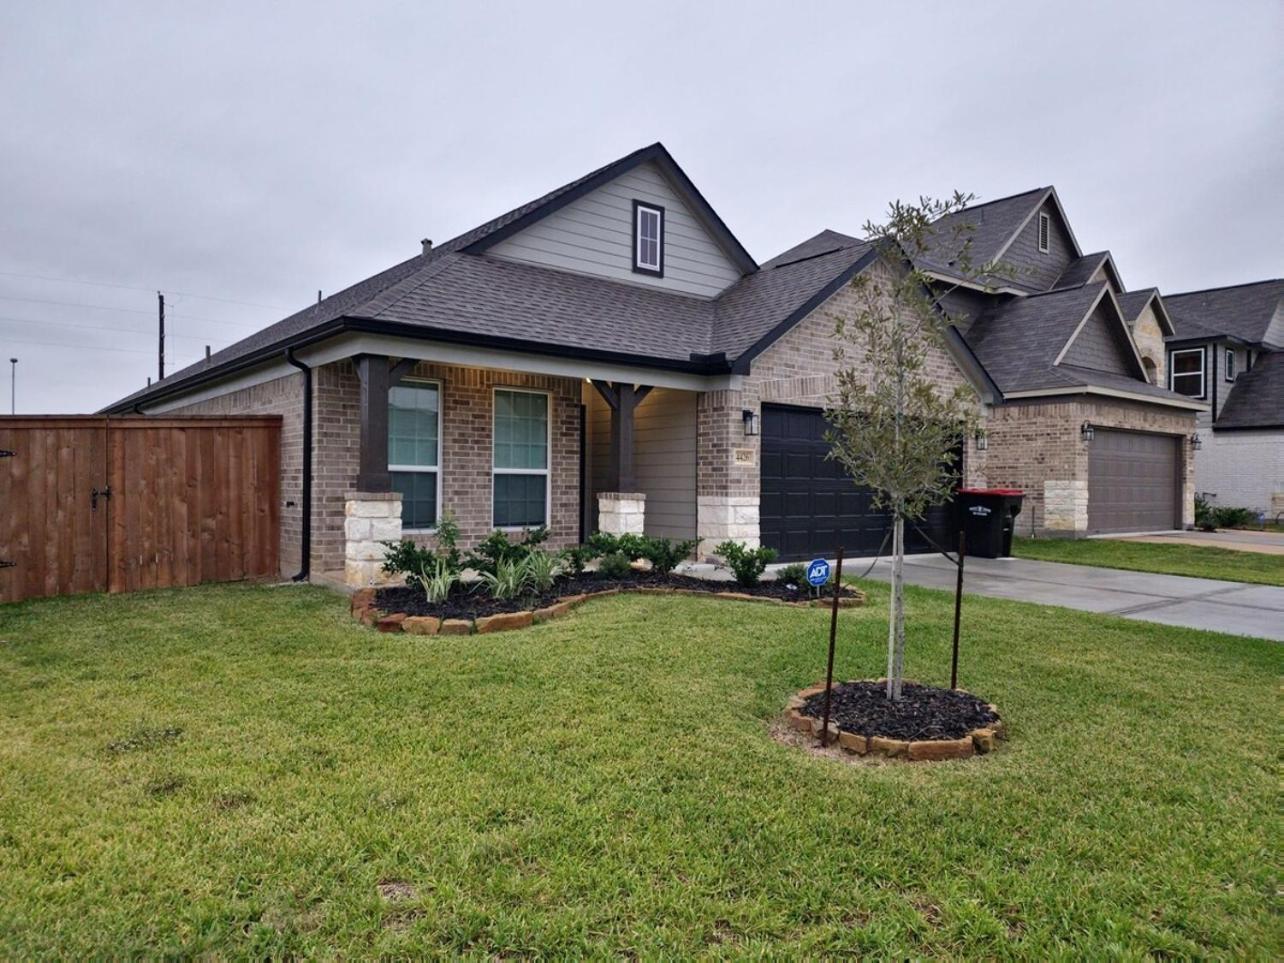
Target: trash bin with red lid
x=988, y=516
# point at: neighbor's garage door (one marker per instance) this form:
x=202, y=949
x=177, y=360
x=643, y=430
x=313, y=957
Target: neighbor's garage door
x=810, y=506
x=1132, y=481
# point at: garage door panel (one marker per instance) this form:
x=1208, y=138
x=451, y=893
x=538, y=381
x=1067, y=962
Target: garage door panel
x=809, y=505
x=1132, y=481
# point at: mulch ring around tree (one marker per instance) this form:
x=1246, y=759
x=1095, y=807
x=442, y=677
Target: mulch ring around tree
x=926, y=723
x=469, y=608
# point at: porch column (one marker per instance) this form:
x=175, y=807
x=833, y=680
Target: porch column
x=623, y=508
x=377, y=374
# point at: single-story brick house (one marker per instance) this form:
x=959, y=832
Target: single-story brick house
x=606, y=355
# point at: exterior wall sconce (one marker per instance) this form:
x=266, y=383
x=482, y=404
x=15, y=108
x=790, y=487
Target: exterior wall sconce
x=1196, y=442
x=750, y=421
x=982, y=440
x=1086, y=432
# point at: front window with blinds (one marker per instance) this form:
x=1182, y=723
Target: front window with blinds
x=521, y=443
x=414, y=451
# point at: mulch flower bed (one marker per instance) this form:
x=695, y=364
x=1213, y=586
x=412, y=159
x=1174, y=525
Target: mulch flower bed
x=403, y=608
x=926, y=723
x=466, y=602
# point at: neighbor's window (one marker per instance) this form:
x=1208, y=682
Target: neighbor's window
x=648, y=238
x=1230, y=364
x=520, y=458
x=414, y=451
x=1186, y=372
x=1045, y=229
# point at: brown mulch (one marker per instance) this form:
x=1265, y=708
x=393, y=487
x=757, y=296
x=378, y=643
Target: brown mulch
x=924, y=712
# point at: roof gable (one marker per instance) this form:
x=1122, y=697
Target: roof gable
x=1133, y=303
x=592, y=233
x=1102, y=342
x=1252, y=312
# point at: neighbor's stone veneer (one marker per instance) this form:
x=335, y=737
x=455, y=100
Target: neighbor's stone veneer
x=621, y=513
x=369, y=520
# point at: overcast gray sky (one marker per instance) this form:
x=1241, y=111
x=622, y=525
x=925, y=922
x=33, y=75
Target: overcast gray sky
x=257, y=152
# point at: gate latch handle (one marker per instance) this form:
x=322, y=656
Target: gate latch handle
x=93, y=497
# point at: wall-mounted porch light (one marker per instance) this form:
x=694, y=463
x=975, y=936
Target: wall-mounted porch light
x=1086, y=432
x=1196, y=442
x=982, y=440
x=750, y=421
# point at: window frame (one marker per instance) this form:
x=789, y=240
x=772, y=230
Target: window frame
x=638, y=267
x=1229, y=359
x=1044, y=238
x=546, y=471
x=413, y=382
x=1173, y=373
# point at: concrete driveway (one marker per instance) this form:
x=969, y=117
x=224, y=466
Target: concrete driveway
x=1198, y=603
x=1239, y=540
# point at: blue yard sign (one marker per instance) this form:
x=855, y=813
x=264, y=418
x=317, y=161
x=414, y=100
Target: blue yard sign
x=817, y=572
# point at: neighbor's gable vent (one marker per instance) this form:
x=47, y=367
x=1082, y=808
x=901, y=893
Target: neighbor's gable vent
x=1045, y=228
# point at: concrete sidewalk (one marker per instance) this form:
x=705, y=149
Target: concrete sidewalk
x=1239, y=540
x=1238, y=608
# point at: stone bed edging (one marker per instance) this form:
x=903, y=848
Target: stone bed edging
x=977, y=742
x=363, y=609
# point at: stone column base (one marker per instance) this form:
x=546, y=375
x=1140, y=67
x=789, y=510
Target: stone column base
x=726, y=517
x=1065, y=506
x=621, y=513
x=369, y=519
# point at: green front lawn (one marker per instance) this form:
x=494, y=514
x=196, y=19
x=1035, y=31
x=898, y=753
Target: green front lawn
x=1197, y=560
x=235, y=770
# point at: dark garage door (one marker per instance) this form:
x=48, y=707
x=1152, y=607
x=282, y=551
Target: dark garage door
x=810, y=506
x=1132, y=481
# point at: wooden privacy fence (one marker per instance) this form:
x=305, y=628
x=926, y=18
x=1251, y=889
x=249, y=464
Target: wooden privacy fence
x=94, y=503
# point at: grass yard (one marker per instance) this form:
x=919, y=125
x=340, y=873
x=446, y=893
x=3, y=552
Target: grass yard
x=235, y=770
x=1177, y=559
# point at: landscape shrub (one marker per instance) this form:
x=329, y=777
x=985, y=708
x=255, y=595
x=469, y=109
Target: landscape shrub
x=664, y=554
x=1204, y=519
x=437, y=580
x=542, y=570
x=629, y=545
x=747, y=564
x=508, y=580
x=496, y=548
x=615, y=565
x=413, y=561
x=1227, y=517
x=795, y=574
x=576, y=557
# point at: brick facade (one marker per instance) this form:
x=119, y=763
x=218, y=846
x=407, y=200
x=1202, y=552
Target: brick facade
x=1036, y=446
x=465, y=473
x=800, y=369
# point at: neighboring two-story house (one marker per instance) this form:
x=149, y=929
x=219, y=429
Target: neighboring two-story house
x=609, y=355
x=1087, y=427
x=1227, y=349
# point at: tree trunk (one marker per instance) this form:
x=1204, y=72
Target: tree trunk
x=896, y=614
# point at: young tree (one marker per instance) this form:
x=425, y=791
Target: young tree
x=891, y=426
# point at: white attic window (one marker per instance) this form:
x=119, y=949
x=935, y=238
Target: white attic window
x=1045, y=230
x=648, y=239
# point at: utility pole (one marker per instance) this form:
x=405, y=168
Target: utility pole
x=13, y=386
x=160, y=305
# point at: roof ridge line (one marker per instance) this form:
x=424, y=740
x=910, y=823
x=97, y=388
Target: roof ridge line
x=1226, y=287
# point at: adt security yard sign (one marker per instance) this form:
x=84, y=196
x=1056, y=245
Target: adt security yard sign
x=817, y=572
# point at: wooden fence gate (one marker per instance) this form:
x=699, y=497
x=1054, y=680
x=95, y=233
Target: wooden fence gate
x=95, y=503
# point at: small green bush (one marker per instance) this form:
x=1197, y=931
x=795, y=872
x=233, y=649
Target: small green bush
x=664, y=554
x=576, y=557
x=795, y=574
x=509, y=579
x=496, y=548
x=1227, y=517
x=616, y=565
x=1204, y=514
x=437, y=580
x=408, y=559
x=748, y=564
x=629, y=545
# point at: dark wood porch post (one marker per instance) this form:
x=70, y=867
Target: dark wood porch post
x=372, y=464
x=624, y=400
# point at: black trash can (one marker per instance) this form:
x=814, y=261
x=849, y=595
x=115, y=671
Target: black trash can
x=988, y=516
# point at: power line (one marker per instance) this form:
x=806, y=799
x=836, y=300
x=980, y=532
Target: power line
x=128, y=287
x=106, y=307
x=56, y=344
x=100, y=327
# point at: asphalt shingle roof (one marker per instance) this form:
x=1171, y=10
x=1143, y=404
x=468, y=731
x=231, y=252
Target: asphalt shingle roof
x=1242, y=311
x=1131, y=303
x=992, y=226
x=1080, y=270
x=1257, y=400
